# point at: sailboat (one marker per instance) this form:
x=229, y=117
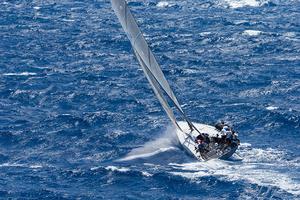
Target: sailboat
x=199, y=140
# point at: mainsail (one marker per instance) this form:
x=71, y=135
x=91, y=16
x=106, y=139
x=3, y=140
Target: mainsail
x=147, y=61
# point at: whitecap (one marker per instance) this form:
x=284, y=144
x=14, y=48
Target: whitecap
x=206, y=33
x=35, y=166
x=239, y=22
x=164, y=4
x=12, y=165
x=271, y=108
x=95, y=168
x=119, y=169
x=20, y=74
x=146, y=174
x=68, y=20
x=251, y=32
x=242, y=3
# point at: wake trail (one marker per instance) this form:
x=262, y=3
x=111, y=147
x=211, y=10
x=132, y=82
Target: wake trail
x=264, y=167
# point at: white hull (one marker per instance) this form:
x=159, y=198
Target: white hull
x=188, y=140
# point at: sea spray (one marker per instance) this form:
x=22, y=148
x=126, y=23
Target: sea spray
x=167, y=141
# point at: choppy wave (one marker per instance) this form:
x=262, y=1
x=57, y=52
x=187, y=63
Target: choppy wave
x=243, y=3
x=78, y=119
x=252, y=32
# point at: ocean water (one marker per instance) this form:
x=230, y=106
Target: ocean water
x=78, y=119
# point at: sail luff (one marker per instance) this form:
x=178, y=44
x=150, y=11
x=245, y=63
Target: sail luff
x=147, y=61
x=156, y=88
x=139, y=44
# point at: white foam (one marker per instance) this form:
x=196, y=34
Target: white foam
x=68, y=20
x=12, y=165
x=271, y=108
x=258, y=167
x=94, y=168
x=146, y=174
x=164, y=4
x=242, y=3
x=238, y=22
x=245, y=144
x=206, y=33
x=119, y=169
x=251, y=32
x=263, y=167
x=35, y=166
x=20, y=74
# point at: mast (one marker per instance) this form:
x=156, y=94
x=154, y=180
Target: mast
x=148, y=62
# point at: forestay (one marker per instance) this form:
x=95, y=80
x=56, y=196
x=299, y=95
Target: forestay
x=158, y=91
x=147, y=61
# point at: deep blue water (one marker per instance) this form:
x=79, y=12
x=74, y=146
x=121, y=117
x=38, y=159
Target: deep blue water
x=73, y=100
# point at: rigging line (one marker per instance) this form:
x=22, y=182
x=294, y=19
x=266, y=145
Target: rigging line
x=191, y=125
x=163, y=97
x=157, y=91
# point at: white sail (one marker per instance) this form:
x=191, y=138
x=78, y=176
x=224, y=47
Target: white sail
x=140, y=46
x=157, y=91
x=147, y=60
